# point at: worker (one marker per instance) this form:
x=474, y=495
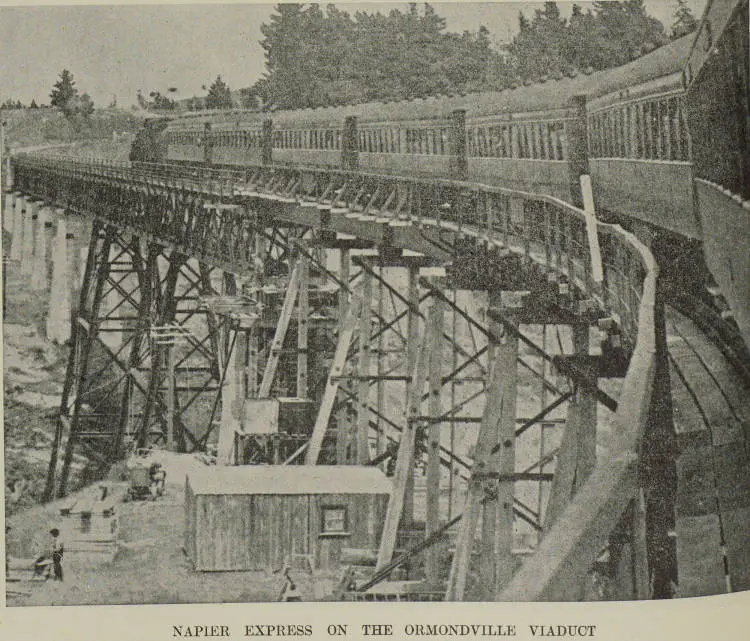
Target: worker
x=57, y=548
x=158, y=479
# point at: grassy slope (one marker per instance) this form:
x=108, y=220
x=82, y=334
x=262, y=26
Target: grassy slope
x=33, y=127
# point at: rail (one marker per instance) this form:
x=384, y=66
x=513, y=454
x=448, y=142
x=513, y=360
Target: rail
x=208, y=213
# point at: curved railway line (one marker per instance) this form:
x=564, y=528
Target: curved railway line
x=709, y=394
x=669, y=499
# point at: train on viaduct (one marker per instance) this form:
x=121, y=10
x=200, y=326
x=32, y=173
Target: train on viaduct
x=235, y=297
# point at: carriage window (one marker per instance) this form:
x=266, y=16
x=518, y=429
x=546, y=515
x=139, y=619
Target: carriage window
x=470, y=144
x=334, y=520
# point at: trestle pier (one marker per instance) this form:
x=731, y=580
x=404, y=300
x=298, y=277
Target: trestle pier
x=404, y=317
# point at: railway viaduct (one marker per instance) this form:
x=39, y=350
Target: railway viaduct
x=176, y=337
x=406, y=320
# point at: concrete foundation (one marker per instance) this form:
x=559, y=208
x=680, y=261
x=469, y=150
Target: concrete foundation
x=39, y=268
x=27, y=241
x=17, y=240
x=58, y=318
x=9, y=211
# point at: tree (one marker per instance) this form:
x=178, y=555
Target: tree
x=538, y=47
x=64, y=93
x=685, y=21
x=85, y=105
x=219, y=96
x=33, y=104
x=624, y=31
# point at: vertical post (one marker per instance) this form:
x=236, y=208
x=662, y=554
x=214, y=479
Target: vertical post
x=228, y=397
x=27, y=244
x=586, y=411
x=58, y=317
x=405, y=459
x=267, y=142
x=170, y=375
x=39, y=270
x=459, y=166
x=350, y=144
x=507, y=360
x=9, y=211
x=452, y=489
x=578, y=149
x=303, y=312
x=381, y=442
x=592, y=231
x=342, y=418
x=488, y=568
x=208, y=144
x=17, y=240
x=541, y=495
x=252, y=337
x=363, y=383
x=434, y=410
x=412, y=350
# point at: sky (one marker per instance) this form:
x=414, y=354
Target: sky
x=114, y=50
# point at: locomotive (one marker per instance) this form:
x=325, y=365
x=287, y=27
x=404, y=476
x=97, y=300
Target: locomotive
x=644, y=132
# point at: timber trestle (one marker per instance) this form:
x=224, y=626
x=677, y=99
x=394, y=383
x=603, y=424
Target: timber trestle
x=411, y=315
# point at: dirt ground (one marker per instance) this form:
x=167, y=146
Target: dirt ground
x=33, y=374
x=150, y=565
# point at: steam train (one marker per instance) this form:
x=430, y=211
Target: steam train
x=647, y=133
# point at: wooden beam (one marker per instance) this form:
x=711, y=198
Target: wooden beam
x=269, y=373
x=363, y=385
x=565, y=555
x=485, y=440
x=405, y=457
x=303, y=311
x=565, y=469
x=587, y=415
x=412, y=350
x=577, y=457
x=332, y=386
x=434, y=409
x=342, y=414
x=604, y=398
x=488, y=569
x=507, y=361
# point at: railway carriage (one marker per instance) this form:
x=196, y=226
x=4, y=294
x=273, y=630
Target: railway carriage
x=639, y=148
x=625, y=126
x=664, y=139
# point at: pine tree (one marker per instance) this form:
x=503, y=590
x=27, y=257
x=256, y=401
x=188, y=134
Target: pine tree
x=33, y=104
x=219, y=95
x=685, y=21
x=539, y=45
x=64, y=93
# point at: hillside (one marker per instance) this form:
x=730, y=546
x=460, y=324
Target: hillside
x=34, y=127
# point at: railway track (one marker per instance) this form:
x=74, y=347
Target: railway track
x=712, y=421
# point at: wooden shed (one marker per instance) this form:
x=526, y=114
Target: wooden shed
x=254, y=517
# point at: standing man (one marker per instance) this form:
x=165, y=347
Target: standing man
x=57, y=553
